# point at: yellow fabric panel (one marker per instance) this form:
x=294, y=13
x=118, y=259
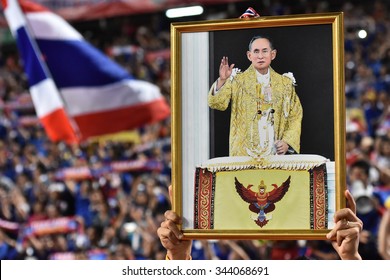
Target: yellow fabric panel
x=291, y=212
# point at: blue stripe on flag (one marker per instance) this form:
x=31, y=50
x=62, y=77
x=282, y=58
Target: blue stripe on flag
x=31, y=63
x=74, y=63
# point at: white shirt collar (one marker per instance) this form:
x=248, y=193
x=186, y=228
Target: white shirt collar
x=263, y=79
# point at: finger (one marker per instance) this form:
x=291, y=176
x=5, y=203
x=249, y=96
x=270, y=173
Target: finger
x=175, y=233
x=334, y=232
x=337, y=227
x=172, y=220
x=340, y=236
x=280, y=149
x=279, y=143
x=345, y=214
x=172, y=216
x=223, y=61
x=231, y=67
x=350, y=233
x=358, y=225
x=343, y=224
x=350, y=201
x=167, y=237
x=331, y=234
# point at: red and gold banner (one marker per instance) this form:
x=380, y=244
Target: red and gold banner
x=260, y=199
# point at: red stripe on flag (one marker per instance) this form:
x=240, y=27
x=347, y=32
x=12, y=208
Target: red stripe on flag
x=28, y=6
x=58, y=127
x=127, y=118
x=4, y=4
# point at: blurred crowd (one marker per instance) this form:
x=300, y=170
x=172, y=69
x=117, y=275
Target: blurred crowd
x=61, y=201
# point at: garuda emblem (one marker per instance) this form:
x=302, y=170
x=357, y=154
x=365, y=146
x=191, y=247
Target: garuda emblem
x=262, y=202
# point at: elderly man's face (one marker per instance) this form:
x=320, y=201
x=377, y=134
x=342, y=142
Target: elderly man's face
x=261, y=55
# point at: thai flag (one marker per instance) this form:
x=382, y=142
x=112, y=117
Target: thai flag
x=250, y=13
x=77, y=91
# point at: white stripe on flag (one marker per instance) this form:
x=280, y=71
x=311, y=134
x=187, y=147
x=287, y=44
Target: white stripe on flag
x=46, y=25
x=45, y=97
x=14, y=16
x=126, y=93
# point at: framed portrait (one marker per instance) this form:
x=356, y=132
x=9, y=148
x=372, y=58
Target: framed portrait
x=258, y=126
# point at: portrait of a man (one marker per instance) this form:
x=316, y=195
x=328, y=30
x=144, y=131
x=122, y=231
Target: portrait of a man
x=256, y=127
x=299, y=83
x=266, y=112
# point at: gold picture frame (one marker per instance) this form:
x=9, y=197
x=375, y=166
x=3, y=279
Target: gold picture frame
x=312, y=47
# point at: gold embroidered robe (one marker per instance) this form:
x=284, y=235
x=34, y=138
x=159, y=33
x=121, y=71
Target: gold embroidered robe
x=241, y=92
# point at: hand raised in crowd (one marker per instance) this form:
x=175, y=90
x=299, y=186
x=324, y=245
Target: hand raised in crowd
x=345, y=235
x=171, y=237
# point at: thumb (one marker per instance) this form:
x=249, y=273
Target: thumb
x=350, y=201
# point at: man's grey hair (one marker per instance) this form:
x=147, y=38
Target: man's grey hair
x=260, y=37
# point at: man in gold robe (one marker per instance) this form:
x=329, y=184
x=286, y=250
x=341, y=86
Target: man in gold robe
x=258, y=93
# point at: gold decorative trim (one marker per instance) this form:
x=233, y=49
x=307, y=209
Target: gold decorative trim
x=270, y=162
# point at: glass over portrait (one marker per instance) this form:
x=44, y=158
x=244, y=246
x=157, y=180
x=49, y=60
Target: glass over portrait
x=258, y=126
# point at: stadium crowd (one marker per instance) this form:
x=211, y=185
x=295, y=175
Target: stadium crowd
x=105, y=199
